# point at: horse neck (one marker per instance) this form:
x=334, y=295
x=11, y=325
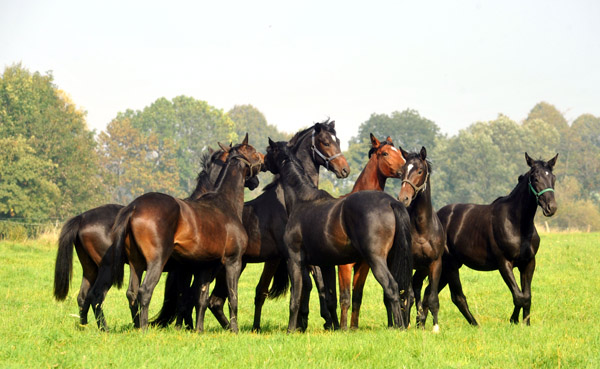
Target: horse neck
x=421, y=208
x=297, y=187
x=523, y=202
x=370, y=178
x=308, y=159
x=231, y=186
x=203, y=186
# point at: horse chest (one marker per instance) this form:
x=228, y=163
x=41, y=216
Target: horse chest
x=422, y=250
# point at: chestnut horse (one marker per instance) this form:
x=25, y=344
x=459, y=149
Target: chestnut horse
x=385, y=161
x=265, y=218
x=203, y=235
x=428, y=237
x=89, y=232
x=325, y=231
x=501, y=235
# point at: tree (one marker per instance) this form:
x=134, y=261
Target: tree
x=134, y=164
x=25, y=188
x=190, y=126
x=33, y=107
x=249, y=119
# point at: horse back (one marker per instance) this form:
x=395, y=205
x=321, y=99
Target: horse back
x=94, y=232
x=469, y=235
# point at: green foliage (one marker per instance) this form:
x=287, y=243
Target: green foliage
x=37, y=331
x=135, y=164
x=249, y=119
x=25, y=186
x=31, y=106
x=189, y=126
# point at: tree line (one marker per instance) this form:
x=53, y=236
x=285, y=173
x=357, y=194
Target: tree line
x=52, y=166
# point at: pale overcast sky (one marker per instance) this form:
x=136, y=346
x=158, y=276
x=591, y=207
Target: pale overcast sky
x=456, y=62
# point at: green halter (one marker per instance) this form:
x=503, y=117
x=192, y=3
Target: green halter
x=538, y=194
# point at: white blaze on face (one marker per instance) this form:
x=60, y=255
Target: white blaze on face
x=333, y=137
x=408, y=169
x=395, y=149
x=547, y=173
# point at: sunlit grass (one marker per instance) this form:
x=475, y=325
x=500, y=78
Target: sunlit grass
x=36, y=331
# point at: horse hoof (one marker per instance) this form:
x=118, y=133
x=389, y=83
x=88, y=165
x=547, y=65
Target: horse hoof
x=436, y=329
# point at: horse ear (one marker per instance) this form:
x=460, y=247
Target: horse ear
x=529, y=160
x=245, y=142
x=223, y=147
x=317, y=127
x=404, y=153
x=210, y=150
x=389, y=139
x=332, y=124
x=423, y=153
x=374, y=141
x=552, y=161
x=271, y=143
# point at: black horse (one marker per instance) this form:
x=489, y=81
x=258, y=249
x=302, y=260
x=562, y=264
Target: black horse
x=89, y=233
x=500, y=235
x=325, y=231
x=265, y=218
x=428, y=237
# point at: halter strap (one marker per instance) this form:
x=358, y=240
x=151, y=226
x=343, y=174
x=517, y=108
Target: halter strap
x=251, y=166
x=314, y=149
x=419, y=188
x=538, y=194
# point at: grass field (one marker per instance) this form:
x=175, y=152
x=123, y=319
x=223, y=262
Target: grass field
x=38, y=332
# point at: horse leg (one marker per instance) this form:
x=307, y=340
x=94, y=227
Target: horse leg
x=86, y=284
x=295, y=272
x=217, y=299
x=233, y=269
x=519, y=299
x=262, y=290
x=328, y=309
x=135, y=277
x=417, y=285
x=153, y=273
x=391, y=295
x=361, y=271
x=96, y=295
x=329, y=288
x=345, y=277
x=185, y=298
x=201, y=287
x=305, y=297
x=431, y=298
x=526, y=277
x=458, y=297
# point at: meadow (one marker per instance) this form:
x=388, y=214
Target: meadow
x=38, y=332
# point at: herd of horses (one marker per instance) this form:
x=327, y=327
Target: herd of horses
x=299, y=231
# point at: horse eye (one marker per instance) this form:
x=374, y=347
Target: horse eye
x=420, y=171
x=326, y=144
x=385, y=153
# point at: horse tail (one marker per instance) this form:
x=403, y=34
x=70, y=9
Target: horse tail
x=281, y=281
x=63, y=269
x=119, y=232
x=400, y=261
x=168, y=311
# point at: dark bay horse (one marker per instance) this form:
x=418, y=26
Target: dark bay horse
x=325, y=231
x=202, y=235
x=428, y=236
x=501, y=235
x=89, y=233
x=385, y=161
x=265, y=219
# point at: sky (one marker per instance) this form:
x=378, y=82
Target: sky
x=455, y=62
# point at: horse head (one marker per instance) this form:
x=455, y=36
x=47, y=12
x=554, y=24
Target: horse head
x=415, y=176
x=253, y=160
x=541, y=183
x=278, y=153
x=390, y=161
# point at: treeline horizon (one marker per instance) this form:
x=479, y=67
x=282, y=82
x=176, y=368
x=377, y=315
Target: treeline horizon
x=52, y=167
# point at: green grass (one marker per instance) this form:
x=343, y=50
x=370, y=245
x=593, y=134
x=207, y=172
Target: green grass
x=37, y=332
